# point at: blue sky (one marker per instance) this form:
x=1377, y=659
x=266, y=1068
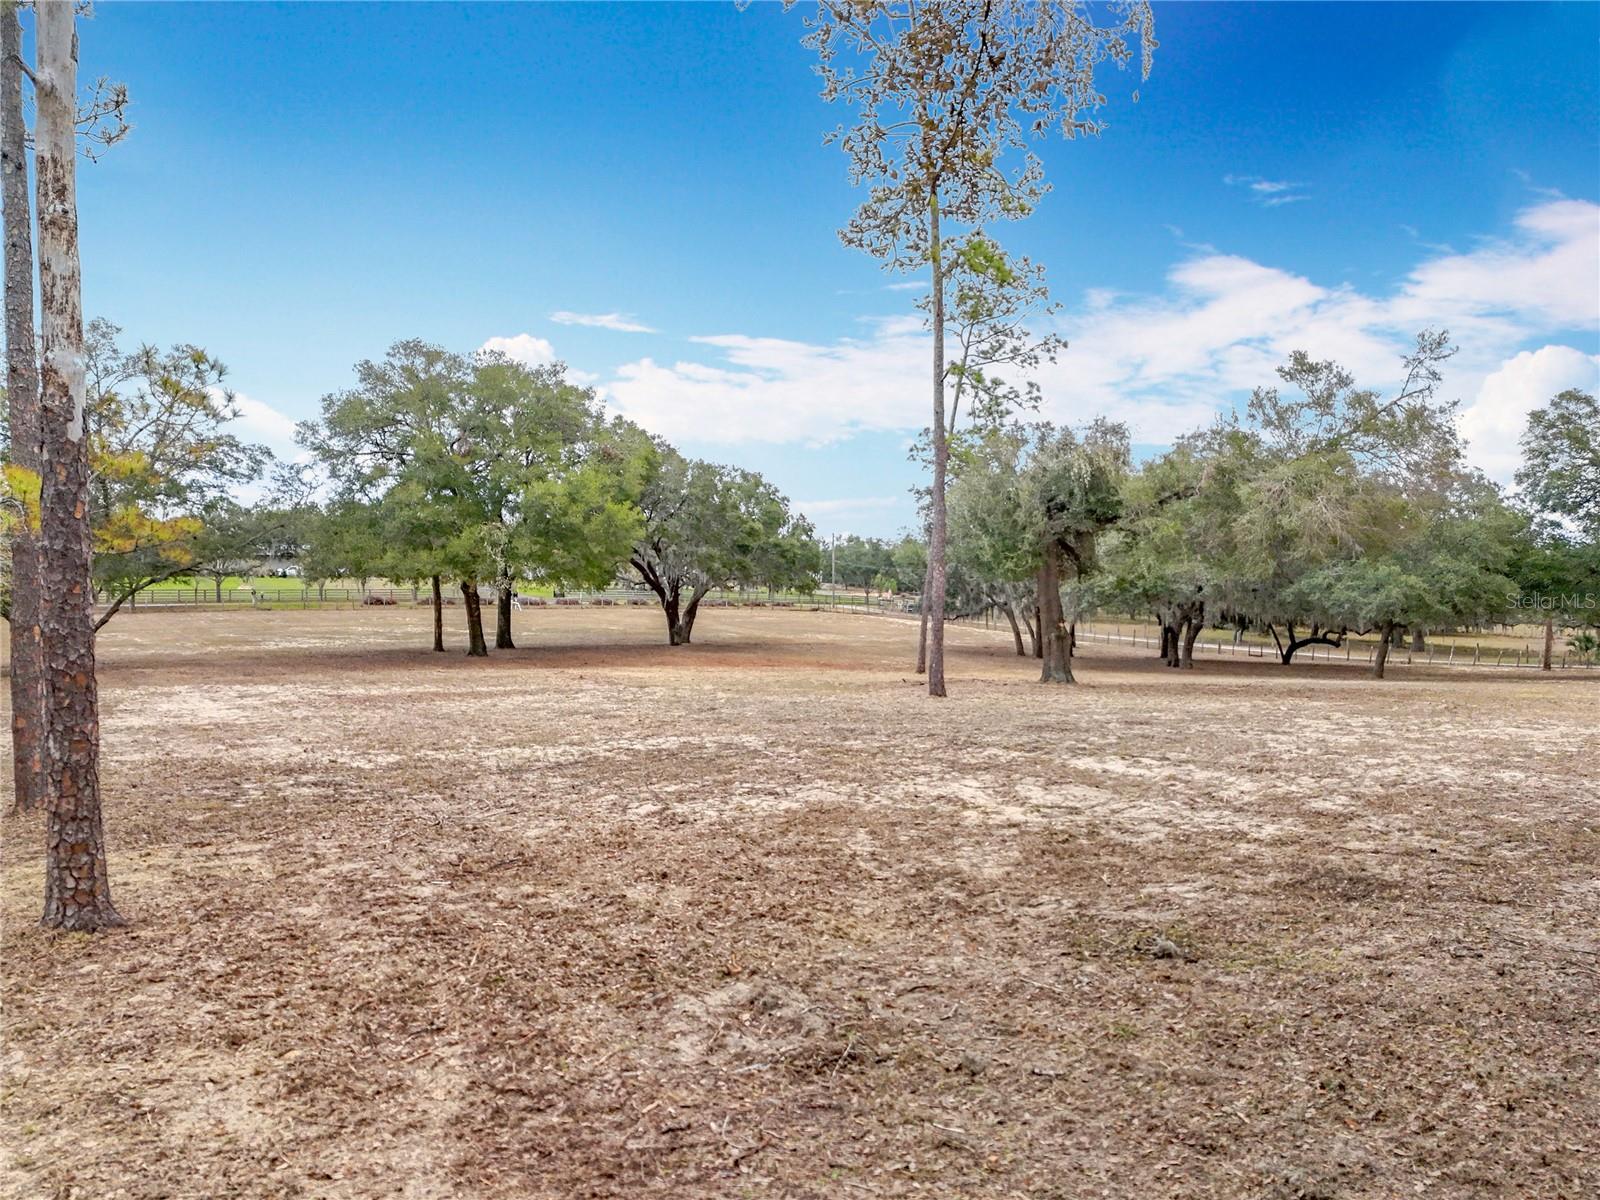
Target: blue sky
x=306, y=184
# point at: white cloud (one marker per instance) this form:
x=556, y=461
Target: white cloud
x=1163, y=363
x=1494, y=421
x=907, y=285
x=524, y=348
x=259, y=422
x=1269, y=193
x=615, y=321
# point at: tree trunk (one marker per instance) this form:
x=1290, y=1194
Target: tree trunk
x=1419, y=640
x=438, y=616
x=1030, y=622
x=686, y=625
x=1169, y=654
x=1016, y=630
x=77, y=892
x=1396, y=636
x=1191, y=632
x=941, y=453
x=502, y=615
x=476, y=647
x=1546, y=661
x=1057, y=667
x=922, y=635
x=22, y=396
x=671, y=607
x=1380, y=658
x=219, y=589
x=1072, y=640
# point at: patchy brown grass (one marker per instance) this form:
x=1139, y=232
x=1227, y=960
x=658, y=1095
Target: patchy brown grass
x=756, y=918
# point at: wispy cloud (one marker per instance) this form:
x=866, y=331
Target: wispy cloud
x=614, y=321
x=907, y=285
x=1166, y=362
x=1269, y=193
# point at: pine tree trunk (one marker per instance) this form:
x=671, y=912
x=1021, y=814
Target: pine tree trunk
x=922, y=635
x=1057, y=667
x=1547, y=660
x=934, y=601
x=77, y=892
x=502, y=615
x=476, y=647
x=22, y=397
x=1381, y=658
x=438, y=616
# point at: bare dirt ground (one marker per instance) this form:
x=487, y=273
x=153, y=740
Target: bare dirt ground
x=600, y=918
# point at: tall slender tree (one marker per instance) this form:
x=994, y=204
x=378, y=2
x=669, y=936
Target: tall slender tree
x=941, y=92
x=22, y=399
x=77, y=886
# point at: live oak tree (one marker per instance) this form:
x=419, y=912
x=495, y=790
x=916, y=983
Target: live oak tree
x=1028, y=509
x=1558, y=564
x=1070, y=491
x=1329, y=457
x=477, y=469
x=1440, y=561
x=707, y=526
x=396, y=440
x=554, y=479
x=989, y=546
x=942, y=92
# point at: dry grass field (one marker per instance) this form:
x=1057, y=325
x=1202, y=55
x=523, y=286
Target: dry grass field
x=600, y=918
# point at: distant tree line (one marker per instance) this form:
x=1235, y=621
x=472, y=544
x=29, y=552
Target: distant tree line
x=1322, y=510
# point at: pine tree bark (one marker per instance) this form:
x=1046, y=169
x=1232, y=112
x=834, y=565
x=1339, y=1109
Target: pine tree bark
x=476, y=647
x=922, y=635
x=1057, y=667
x=438, y=615
x=77, y=887
x=941, y=455
x=22, y=398
x=1547, y=659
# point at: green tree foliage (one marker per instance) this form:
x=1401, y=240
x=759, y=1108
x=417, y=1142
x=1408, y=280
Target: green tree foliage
x=1032, y=503
x=477, y=469
x=707, y=526
x=1560, y=474
x=1441, y=562
x=160, y=458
